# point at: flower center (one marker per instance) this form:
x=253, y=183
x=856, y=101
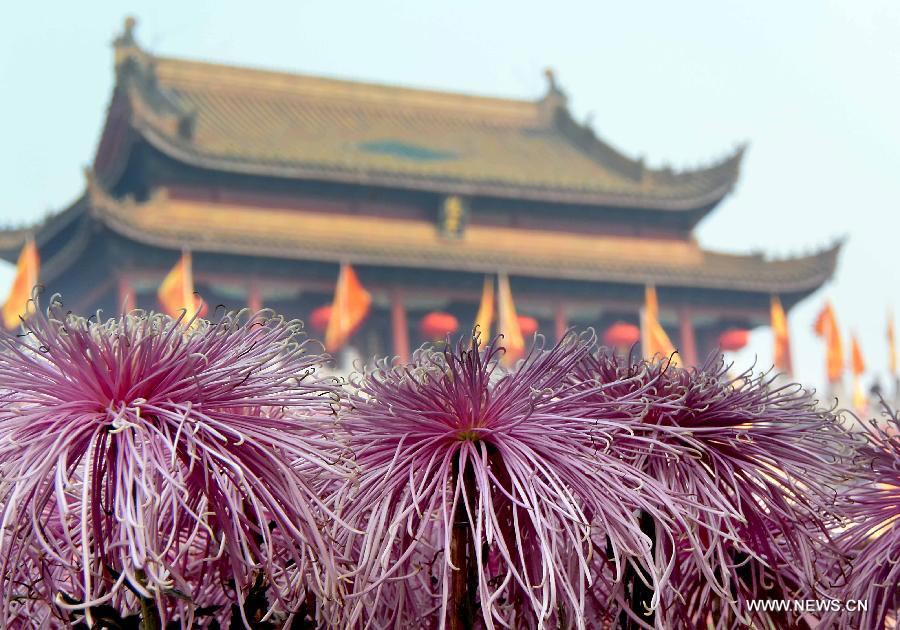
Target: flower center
x=469, y=435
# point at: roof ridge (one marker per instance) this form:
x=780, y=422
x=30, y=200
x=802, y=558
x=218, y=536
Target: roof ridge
x=826, y=255
x=171, y=70
x=233, y=77
x=725, y=170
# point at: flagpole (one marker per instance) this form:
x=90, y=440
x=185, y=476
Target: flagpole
x=892, y=358
x=337, y=313
x=187, y=287
x=33, y=275
x=642, y=316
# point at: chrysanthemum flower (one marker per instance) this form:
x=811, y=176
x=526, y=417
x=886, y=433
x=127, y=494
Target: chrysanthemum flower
x=872, y=538
x=482, y=493
x=145, y=465
x=757, y=465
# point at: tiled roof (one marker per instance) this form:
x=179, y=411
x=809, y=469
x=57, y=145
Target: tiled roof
x=300, y=235
x=286, y=125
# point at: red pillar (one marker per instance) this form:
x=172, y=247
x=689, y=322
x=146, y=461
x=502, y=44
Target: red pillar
x=399, y=327
x=126, y=294
x=254, y=299
x=688, y=349
x=560, y=323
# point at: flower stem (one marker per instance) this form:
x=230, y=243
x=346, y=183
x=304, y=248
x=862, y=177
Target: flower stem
x=463, y=581
x=639, y=593
x=149, y=612
x=149, y=615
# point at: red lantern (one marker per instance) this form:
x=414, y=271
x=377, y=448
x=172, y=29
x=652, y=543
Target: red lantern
x=734, y=339
x=319, y=318
x=436, y=325
x=528, y=325
x=622, y=335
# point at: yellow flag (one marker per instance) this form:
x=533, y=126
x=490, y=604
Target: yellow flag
x=485, y=316
x=27, y=272
x=508, y=322
x=655, y=341
x=349, y=309
x=827, y=328
x=857, y=363
x=782, y=350
x=176, y=293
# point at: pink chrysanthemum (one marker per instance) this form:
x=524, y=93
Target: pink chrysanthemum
x=148, y=465
x=872, y=538
x=757, y=465
x=483, y=493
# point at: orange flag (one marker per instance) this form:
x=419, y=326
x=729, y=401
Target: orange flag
x=892, y=345
x=653, y=336
x=508, y=322
x=485, y=316
x=348, y=310
x=176, y=293
x=782, y=354
x=827, y=328
x=858, y=366
x=27, y=272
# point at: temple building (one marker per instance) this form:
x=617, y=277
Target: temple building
x=273, y=180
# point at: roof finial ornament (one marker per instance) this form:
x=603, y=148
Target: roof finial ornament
x=551, y=80
x=90, y=183
x=553, y=100
x=127, y=36
x=126, y=50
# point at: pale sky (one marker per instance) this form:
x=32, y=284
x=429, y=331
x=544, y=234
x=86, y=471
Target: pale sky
x=813, y=86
